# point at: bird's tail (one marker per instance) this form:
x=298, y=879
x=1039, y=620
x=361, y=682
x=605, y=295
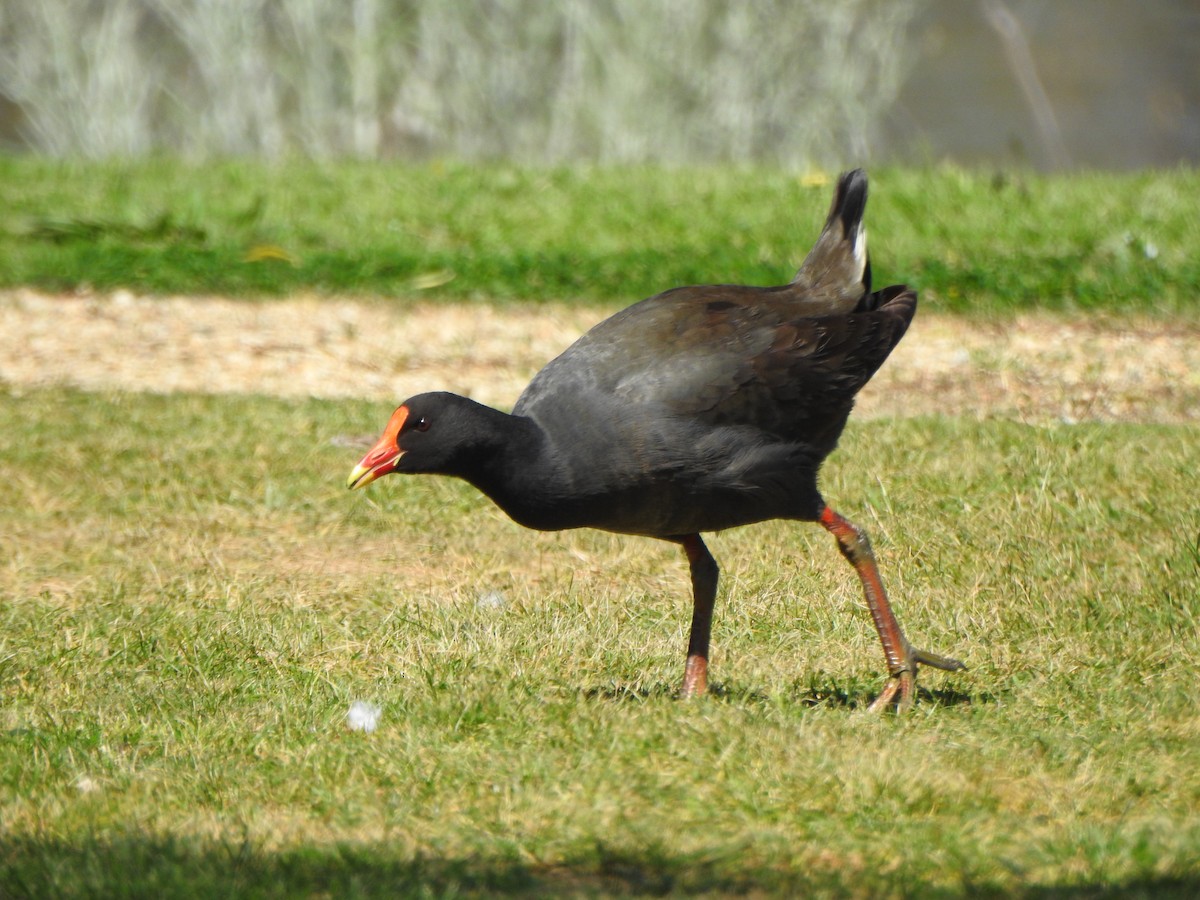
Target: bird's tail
x=837, y=271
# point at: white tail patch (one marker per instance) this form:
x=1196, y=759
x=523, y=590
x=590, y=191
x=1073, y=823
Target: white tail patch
x=860, y=249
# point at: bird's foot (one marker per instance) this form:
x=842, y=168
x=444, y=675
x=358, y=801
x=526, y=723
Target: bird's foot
x=695, y=678
x=902, y=687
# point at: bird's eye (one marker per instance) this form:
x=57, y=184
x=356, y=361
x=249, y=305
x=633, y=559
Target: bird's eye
x=422, y=424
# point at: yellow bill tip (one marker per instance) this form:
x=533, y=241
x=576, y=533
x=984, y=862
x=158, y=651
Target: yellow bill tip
x=360, y=477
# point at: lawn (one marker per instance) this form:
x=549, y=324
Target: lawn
x=970, y=241
x=190, y=601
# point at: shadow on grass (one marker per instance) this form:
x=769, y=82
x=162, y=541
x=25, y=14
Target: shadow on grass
x=809, y=695
x=138, y=865
x=836, y=696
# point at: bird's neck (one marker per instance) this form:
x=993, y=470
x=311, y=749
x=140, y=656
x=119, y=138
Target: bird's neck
x=515, y=467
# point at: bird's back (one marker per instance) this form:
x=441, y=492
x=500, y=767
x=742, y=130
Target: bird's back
x=786, y=360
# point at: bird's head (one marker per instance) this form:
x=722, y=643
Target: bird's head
x=436, y=433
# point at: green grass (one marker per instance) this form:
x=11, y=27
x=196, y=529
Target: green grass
x=971, y=241
x=191, y=600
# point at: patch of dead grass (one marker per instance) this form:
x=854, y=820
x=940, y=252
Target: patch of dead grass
x=1033, y=367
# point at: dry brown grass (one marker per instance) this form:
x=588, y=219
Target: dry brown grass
x=1036, y=368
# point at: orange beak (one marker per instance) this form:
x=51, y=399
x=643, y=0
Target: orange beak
x=382, y=458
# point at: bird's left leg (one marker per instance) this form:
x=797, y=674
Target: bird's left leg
x=902, y=657
x=704, y=594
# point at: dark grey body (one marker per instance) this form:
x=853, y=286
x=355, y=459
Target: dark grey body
x=696, y=410
x=701, y=409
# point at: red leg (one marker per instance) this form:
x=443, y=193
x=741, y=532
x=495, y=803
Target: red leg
x=704, y=594
x=902, y=658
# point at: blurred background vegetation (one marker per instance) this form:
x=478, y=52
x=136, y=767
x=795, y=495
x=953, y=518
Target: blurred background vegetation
x=1098, y=83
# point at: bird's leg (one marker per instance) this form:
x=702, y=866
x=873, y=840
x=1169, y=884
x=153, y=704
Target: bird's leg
x=902, y=657
x=704, y=593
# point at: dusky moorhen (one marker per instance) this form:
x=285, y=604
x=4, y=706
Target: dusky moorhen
x=698, y=409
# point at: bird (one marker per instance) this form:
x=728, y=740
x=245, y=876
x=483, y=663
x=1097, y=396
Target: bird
x=699, y=409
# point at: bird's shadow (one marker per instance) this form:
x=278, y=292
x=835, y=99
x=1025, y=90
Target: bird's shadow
x=809, y=695
x=835, y=696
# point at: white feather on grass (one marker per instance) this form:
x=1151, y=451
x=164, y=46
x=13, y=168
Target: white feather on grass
x=491, y=600
x=363, y=716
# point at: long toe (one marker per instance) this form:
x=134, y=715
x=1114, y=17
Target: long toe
x=945, y=663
